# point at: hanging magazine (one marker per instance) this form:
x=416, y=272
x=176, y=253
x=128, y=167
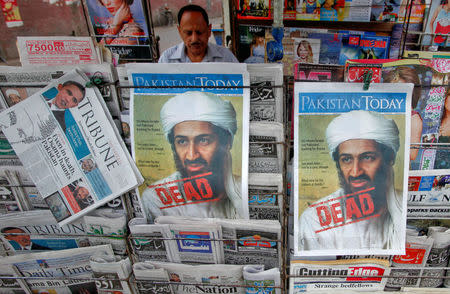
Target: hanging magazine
x=68, y=144
x=350, y=187
x=189, y=133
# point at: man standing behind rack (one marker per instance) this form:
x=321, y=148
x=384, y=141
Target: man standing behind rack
x=194, y=29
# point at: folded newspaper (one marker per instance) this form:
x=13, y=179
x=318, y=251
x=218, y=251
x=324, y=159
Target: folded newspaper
x=266, y=92
x=357, y=274
x=112, y=273
x=31, y=231
x=107, y=226
x=64, y=136
x=192, y=279
x=266, y=147
x=265, y=197
x=185, y=241
x=20, y=82
x=67, y=271
x=149, y=279
x=260, y=280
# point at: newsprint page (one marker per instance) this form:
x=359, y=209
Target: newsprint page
x=350, y=172
x=190, y=132
x=67, y=142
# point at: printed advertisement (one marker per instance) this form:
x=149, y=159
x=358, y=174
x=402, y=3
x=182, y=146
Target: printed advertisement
x=352, y=147
x=120, y=25
x=57, y=51
x=189, y=131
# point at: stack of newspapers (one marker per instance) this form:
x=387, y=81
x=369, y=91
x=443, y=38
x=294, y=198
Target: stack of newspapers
x=267, y=142
x=67, y=141
x=17, y=84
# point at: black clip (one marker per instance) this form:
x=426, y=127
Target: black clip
x=95, y=80
x=367, y=79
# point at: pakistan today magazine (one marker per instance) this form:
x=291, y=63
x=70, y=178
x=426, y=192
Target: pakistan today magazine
x=150, y=136
x=333, y=222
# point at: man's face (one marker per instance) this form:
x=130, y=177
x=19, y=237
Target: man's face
x=23, y=240
x=359, y=161
x=14, y=99
x=87, y=165
x=68, y=96
x=83, y=193
x=196, y=145
x=195, y=33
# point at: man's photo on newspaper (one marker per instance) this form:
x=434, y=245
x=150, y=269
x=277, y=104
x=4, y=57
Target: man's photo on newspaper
x=198, y=171
x=351, y=194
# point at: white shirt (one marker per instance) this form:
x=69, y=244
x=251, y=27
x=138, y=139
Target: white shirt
x=374, y=233
x=214, y=53
x=154, y=207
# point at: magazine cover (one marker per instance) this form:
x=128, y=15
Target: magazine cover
x=252, y=44
x=350, y=182
x=334, y=10
x=338, y=275
x=254, y=9
x=307, y=50
x=430, y=109
x=121, y=25
x=428, y=194
x=383, y=10
x=190, y=139
x=364, y=47
x=437, y=23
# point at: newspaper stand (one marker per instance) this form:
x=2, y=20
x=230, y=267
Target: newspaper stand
x=283, y=219
x=287, y=145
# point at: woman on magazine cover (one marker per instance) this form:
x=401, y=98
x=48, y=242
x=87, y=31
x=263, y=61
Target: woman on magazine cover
x=440, y=23
x=257, y=49
x=405, y=74
x=121, y=24
x=304, y=52
x=442, y=154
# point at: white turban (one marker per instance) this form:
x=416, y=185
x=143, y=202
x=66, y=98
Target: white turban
x=11, y=91
x=198, y=106
x=361, y=124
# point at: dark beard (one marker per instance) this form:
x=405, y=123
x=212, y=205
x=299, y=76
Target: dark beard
x=216, y=179
x=379, y=194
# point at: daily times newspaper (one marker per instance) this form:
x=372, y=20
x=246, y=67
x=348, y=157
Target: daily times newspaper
x=67, y=270
x=350, y=182
x=335, y=275
x=189, y=130
x=66, y=140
